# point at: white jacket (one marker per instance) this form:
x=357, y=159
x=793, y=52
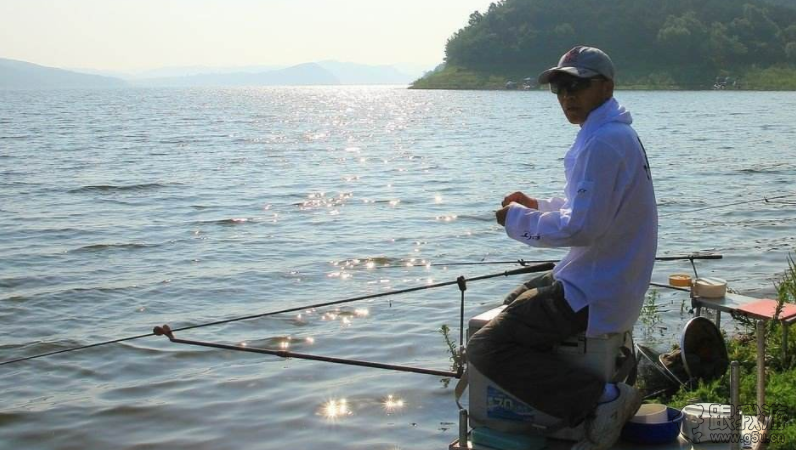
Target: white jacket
x=609, y=218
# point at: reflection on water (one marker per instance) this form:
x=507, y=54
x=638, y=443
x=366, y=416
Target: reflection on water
x=335, y=409
x=391, y=404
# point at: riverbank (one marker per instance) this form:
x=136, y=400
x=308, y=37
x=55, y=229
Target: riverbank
x=779, y=78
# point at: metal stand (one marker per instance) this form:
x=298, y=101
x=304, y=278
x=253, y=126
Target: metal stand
x=735, y=404
x=463, y=443
x=761, y=368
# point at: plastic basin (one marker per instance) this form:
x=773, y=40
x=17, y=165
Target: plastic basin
x=654, y=433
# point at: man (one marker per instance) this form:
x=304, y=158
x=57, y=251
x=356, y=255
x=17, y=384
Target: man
x=608, y=219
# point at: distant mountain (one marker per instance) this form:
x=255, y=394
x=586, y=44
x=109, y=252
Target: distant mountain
x=23, y=75
x=302, y=74
x=19, y=74
x=324, y=72
x=187, y=71
x=352, y=73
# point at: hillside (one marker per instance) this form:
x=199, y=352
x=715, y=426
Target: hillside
x=23, y=75
x=654, y=43
x=320, y=73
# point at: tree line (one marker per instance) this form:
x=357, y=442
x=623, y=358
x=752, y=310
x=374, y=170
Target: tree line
x=642, y=36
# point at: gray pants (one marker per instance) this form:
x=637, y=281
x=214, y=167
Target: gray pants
x=515, y=351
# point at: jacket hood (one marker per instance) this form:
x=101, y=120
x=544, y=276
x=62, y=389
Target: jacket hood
x=610, y=111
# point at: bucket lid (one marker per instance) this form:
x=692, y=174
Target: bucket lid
x=704, y=352
x=708, y=411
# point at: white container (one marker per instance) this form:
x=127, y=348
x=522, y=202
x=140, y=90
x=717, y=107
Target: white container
x=491, y=406
x=651, y=413
x=710, y=287
x=707, y=422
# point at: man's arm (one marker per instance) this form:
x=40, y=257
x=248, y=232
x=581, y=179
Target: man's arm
x=582, y=218
x=550, y=204
x=522, y=199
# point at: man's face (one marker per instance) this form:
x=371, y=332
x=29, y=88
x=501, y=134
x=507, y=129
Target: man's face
x=580, y=96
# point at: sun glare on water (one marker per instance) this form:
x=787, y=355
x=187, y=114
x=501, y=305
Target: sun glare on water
x=335, y=409
x=392, y=404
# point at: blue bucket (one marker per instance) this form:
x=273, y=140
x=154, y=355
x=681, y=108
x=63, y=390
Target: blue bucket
x=654, y=433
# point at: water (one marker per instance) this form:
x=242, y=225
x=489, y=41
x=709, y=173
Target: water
x=125, y=209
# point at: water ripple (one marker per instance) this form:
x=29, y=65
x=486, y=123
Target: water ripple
x=139, y=207
x=105, y=188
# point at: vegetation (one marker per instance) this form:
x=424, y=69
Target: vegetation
x=682, y=44
x=780, y=374
x=457, y=362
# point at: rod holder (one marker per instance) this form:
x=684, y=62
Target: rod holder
x=463, y=428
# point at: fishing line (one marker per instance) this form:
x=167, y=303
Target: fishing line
x=744, y=202
x=523, y=270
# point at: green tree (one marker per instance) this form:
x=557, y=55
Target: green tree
x=475, y=18
x=790, y=51
x=760, y=35
x=725, y=49
x=789, y=34
x=683, y=38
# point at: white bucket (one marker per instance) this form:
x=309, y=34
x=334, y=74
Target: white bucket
x=707, y=422
x=651, y=413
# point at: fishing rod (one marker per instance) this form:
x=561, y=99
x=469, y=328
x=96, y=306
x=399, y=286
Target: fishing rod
x=669, y=286
x=523, y=270
x=165, y=330
x=523, y=262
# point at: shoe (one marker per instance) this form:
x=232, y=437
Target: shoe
x=602, y=431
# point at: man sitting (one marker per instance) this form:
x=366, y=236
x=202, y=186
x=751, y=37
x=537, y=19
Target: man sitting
x=608, y=219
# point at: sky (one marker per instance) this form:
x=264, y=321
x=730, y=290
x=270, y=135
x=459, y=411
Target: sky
x=137, y=35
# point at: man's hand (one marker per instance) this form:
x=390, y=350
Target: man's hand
x=500, y=215
x=522, y=199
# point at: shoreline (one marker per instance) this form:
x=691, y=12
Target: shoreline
x=774, y=79
x=618, y=88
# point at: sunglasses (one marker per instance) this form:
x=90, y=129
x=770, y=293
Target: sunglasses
x=571, y=85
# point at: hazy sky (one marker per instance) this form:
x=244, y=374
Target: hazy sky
x=130, y=35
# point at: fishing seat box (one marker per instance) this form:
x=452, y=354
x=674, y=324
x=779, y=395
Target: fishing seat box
x=491, y=406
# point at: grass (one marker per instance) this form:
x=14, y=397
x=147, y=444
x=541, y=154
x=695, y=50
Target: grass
x=452, y=77
x=650, y=315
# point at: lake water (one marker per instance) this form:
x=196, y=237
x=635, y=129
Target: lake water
x=125, y=209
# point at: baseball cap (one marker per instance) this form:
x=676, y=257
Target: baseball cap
x=582, y=62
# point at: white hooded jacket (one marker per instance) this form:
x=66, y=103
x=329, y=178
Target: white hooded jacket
x=608, y=217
